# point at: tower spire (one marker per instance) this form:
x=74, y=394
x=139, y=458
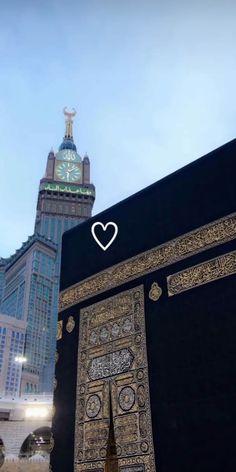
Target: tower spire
x=69, y=122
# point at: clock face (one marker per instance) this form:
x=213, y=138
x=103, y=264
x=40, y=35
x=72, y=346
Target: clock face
x=68, y=172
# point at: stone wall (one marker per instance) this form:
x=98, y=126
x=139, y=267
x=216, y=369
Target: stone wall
x=25, y=466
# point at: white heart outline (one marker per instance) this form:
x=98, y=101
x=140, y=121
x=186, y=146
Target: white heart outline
x=104, y=227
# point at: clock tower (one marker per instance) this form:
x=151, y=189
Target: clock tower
x=66, y=195
x=65, y=199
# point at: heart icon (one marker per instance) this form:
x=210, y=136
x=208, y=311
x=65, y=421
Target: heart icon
x=104, y=227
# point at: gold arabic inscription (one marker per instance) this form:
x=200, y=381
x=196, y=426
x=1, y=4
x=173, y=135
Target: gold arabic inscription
x=199, y=240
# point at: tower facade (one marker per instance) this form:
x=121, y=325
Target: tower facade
x=66, y=195
x=29, y=280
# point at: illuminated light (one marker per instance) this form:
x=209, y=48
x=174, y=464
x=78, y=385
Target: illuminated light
x=20, y=359
x=39, y=412
x=67, y=188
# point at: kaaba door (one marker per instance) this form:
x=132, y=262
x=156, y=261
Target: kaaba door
x=113, y=418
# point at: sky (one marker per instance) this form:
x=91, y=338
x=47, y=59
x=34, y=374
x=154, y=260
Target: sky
x=153, y=83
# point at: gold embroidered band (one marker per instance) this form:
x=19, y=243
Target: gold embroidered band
x=184, y=246
x=202, y=273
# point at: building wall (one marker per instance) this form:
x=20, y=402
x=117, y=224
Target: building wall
x=12, y=339
x=13, y=294
x=14, y=433
x=28, y=296
x=2, y=278
x=16, y=427
x=53, y=227
x=31, y=294
x=39, y=309
x=25, y=466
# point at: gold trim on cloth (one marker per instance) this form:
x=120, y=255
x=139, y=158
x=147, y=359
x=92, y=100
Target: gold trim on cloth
x=184, y=246
x=59, y=329
x=200, y=274
x=113, y=429
x=155, y=292
x=70, y=324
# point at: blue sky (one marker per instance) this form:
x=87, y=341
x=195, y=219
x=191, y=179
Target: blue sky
x=153, y=83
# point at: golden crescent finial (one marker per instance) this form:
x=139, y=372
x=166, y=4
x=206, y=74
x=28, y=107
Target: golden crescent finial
x=69, y=114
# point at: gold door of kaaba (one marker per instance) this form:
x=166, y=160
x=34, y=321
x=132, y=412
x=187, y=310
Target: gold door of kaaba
x=113, y=428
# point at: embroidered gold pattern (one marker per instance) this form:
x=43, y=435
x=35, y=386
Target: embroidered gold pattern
x=59, y=329
x=155, y=292
x=180, y=248
x=202, y=273
x=113, y=388
x=70, y=324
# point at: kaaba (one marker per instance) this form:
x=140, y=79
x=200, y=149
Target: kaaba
x=145, y=376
